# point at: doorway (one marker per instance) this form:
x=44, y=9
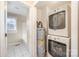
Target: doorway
x=16, y=29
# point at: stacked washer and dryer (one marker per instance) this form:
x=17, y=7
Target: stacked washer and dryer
x=59, y=32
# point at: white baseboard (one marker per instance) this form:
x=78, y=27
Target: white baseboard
x=14, y=43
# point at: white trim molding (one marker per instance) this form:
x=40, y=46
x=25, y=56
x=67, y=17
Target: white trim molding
x=74, y=29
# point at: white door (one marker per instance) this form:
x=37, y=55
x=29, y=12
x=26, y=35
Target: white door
x=3, y=41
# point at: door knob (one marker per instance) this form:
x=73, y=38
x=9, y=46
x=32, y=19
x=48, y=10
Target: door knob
x=5, y=34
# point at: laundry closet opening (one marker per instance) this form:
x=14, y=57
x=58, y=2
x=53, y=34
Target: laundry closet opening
x=16, y=29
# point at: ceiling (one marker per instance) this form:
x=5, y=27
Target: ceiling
x=17, y=7
x=30, y=2
x=51, y=3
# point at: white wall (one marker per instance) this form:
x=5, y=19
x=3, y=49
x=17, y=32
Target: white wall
x=24, y=32
x=42, y=16
x=31, y=31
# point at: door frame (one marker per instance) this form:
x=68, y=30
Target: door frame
x=32, y=36
x=3, y=46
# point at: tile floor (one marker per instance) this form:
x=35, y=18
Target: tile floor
x=19, y=50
